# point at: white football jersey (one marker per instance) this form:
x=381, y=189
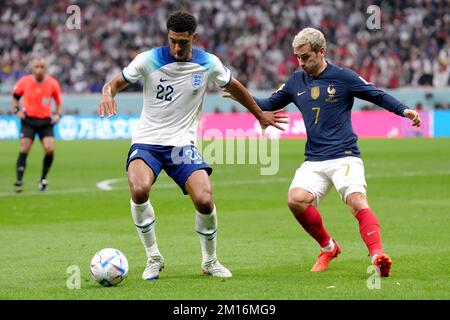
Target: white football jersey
x=173, y=94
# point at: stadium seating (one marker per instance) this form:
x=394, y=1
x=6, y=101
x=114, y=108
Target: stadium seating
x=412, y=48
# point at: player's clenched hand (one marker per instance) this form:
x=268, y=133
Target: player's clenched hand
x=413, y=116
x=55, y=118
x=20, y=115
x=272, y=118
x=108, y=106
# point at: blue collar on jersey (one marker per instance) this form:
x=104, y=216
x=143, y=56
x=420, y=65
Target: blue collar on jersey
x=164, y=57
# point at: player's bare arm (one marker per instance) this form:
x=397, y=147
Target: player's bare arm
x=279, y=118
x=16, y=108
x=239, y=93
x=108, y=104
x=413, y=116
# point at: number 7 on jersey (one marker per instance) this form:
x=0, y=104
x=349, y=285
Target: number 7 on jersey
x=317, y=109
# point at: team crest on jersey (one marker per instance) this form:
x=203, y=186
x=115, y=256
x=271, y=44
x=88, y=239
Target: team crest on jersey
x=197, y=79
x=331, y=90
x=315, y=92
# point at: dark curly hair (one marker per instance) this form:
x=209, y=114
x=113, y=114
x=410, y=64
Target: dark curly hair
x=182, y=22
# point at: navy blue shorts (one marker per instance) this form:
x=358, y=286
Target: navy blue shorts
x=178, y=162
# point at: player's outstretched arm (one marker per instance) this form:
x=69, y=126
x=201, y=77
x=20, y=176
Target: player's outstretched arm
x=413, y=116
x=367, y=91
x=276, y=102
x=278, y=117
x=108, y=104
x=238, y=92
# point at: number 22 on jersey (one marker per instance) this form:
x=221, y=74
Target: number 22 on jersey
x=164, y=92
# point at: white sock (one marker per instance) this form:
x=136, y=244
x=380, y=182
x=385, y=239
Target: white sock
x=206, y=227
x=144, y=220
x=329, y=247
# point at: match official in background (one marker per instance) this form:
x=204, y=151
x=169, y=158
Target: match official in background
x=36, y=116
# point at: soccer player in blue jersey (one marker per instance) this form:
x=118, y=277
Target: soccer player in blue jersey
x=324, y=94
x=175, y=80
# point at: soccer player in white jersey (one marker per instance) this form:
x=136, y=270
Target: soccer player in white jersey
x=175, y=79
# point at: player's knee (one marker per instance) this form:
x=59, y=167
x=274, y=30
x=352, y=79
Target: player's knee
x=48, y=151
x=298, y=201
x=357, y=201
x=25, y=148
x=139, y=191
x=203, y=201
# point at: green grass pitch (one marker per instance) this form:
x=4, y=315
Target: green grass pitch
x=267, y=251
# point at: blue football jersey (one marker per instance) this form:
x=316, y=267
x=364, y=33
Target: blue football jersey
x=326, y=102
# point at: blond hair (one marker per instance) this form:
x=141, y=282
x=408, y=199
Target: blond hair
x=312, y=36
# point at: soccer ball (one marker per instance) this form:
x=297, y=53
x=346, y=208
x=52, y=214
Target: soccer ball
x=109, y=267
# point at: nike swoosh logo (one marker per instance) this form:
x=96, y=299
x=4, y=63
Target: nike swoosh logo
x=300, y=93
x=369, y=233
x=163, y=80
x=212, y=237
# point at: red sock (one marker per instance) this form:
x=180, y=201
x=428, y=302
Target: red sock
x=369, y=228
x=311, y=221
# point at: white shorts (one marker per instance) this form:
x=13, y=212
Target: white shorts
x=317, y=177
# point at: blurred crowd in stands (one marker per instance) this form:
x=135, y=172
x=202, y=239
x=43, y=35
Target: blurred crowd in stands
x=252, y=37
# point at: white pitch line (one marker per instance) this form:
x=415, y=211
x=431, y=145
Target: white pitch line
x=48, y=192
x=408, y=174
x=106, y=184
x=108, y=187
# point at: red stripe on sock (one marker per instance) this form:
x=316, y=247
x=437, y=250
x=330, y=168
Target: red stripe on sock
x=311, y=221
x=369, y=228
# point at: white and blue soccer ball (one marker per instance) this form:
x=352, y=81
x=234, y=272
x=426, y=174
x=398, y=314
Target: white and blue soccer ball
x=109, y=267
